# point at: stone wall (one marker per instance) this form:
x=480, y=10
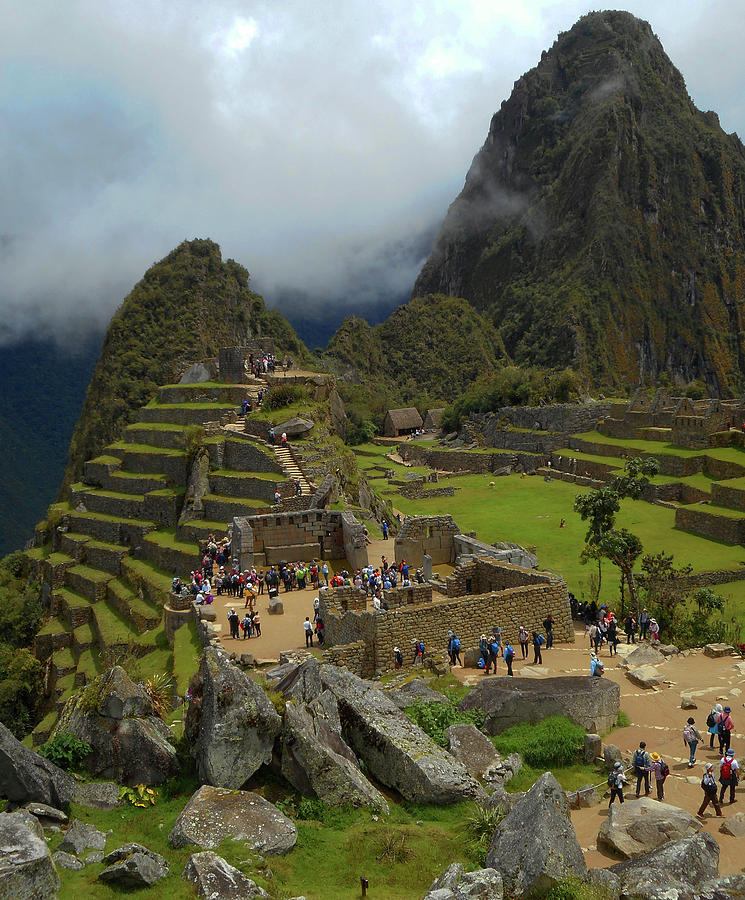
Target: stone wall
x=505, y=551
x=482, y=576
x=468, y=460
x=229, y=394
x=723, y=495
x=251, y=488
x=354, y=540
x=246, y=456
x=710, y=525
x=184, y=415
x=431, y=535
x=558, y=417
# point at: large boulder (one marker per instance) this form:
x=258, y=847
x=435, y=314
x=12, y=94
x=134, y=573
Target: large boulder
x=317, y=762
x=412, y=691
x=231, y=724
x=716, y=651
x=302, y=682
x=133, y=866
x=457, y=884
x=130, y=743
x=98, y=795
x=26, y=775
x=214, y=814
x=26, y=868
x=734, y=825
x=396, y=752
x=474, y=749
x=644, y=655
x=81, y=836
x=635, y=828
x=590, y=702
x=534, y=846
x=216, y=879
x=645, y=676
x=674, y=871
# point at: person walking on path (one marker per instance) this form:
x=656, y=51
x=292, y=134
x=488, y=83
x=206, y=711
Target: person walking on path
x=691, y=738
x=728, y=778
x=661, y=771
x=613, y=636
x=538, y=640
x=548, y=624
x=709, y=787
x=616, y=781
x=524, y=639
x=233, y=621
x=398, y=658
x=308, y=629
x=725, y=726
x=509, y=655
x=644, y=620
x=642, y=763
x=712, y=721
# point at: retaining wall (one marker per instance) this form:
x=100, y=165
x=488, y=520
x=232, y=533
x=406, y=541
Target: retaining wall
x=710, y=525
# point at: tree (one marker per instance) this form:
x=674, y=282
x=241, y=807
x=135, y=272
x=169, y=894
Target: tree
x=599, y=509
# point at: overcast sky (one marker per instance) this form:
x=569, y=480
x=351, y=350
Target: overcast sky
x=316, y=142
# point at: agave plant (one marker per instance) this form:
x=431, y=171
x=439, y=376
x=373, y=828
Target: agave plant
x=159, y=689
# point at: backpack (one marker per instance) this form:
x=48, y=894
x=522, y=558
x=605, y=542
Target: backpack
x=481, y=664
x=541, y=639
x=664, y=769
x=612, y=780
x=708, y=783
x=456, y=644
x=721, y=724
x=726, y=771
x=509, y=653
x=710, y=720
x=420, y=647
x=495, y=649
x=688, y=734
x=638, y=762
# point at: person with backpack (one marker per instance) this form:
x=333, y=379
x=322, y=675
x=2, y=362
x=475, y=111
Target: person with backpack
x=612, y=636
x=712, y=721
x=493, y=654
x=616, y=781
x=484, y=652
x=691, y=738
x=524, y=639
x=596, y=666
x=661, y=771
x=642, y=764
x=509, y=655
x=725, y=726
x=538, y=641
x=398, y=658
x=728, y=778
x=709, y=787
x=418, y=652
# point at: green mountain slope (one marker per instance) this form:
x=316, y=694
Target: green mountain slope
x=186, y=307
x=602, y=224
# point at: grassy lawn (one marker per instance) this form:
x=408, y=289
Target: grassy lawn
x=728, y=454
x=275, y=416
x=187, y=651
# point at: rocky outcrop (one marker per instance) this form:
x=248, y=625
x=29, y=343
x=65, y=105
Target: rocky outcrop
x=395, y=751
x=716, y=651
x=130, y=744
x=214, y=814
x=26, y=868
x=26, y=775
x=133, y=866
x=474, y=749
x=216, y=879
x=535, y=846
x=632, y=829
x=98, y=795
x=644, y=655
x=318, y=763
x=674, y=871
x=645, y=676
x=303, y=682
x=413, y=691
x=81, y=836
x=231, y=724
x=590, y=702
x=457, y=884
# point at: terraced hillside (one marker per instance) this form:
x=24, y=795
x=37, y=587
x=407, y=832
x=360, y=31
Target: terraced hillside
x=107, y=554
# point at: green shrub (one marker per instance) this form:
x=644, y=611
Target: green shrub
x=553, y=742
x=435, y=718
x=285, y=395
x=574, y=889
x=65, y=750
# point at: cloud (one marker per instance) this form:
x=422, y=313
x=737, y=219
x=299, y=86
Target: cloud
x=320, y=144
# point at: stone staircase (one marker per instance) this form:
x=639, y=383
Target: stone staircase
x=291, y=468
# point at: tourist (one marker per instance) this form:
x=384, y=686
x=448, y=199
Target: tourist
x=524, y=639
x=548, y=624
x=284, y=439
x=484, y=652
x=709, y=787
x=454, y=648
x=277, y=496
x=691, y=738
x=271, y=432
x=661, y=771
x=418, y=652
x=725, y=725
x=616, y=781
x=643, y=624
x=320, y=632
x=398, y=658
x=538, y=640
x=642, y=763
x=597, y=668
x=593, y=633
x=728, y=778
x=385, y=530
x=509, y=655
x=712, y=723
x=233, y=621
x=325, y=573
x=256, y=624
x=629, y=627
x=654, y=631
x=612, y=636
x=308, y=628
x=247, y=626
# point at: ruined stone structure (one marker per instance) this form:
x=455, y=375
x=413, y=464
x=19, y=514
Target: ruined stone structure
x=363, y=640
x=231, y=361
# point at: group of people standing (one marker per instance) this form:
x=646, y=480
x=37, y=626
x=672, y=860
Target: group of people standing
x=602, y=627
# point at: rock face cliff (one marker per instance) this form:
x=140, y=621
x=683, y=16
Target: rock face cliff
x=602, y=224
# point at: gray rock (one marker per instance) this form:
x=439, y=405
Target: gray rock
x=474, y=749
x=728, y=887
x=734, y=825
x=95, y=856
x=317, y=762
x=98, y=795
x=500, y=800
x=276, y=607
x=590, y=702
x=133, y=866
x=668, y=649
x=593, y=748
x=67, y=861
x=456, y=884
x=506, y=769
x=395, y=751
x=26, y=868
x=26, y=775
x=715, y=651
x=233, y=729
x=81, y=836
x=535, y=846
x=47, y=815
x=303, y=683
x=197, y=373
x=671, y=872
x=645, y=676
x=632, y=829
x=644, y=655
x=215, y=879
x=608, y=883
x=131, y=745
x=687, y=702
x=413, y=691
x=214, y=814
x=611, y=755
x=583, y=797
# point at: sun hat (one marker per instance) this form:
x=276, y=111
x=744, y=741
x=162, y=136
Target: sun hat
x=709, y=766
x=655, y=756
x=727, y=709
x=730, y=752
x=396, y=650
x=617, y=765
